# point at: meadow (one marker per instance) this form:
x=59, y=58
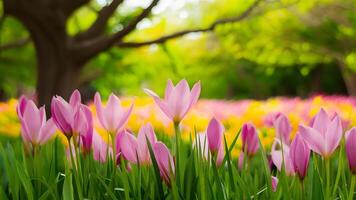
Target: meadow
x=178, y=147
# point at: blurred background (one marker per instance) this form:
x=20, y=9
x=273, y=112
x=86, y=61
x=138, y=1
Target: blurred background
x=237, y=48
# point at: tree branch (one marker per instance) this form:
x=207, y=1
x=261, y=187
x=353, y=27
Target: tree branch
x=88, y=49
x=100, y=23
x=15, y=44
x=197, y=30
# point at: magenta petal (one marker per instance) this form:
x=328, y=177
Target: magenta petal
x=214, y=132
x=75, y=99
x=20, y=108
x=321, y=121
x=313, y=139
x=274, y=183
x=62, y=115
x=300, y=155
x=333, y=135
x=129, y=147
x=220, y=156
x=146, y=131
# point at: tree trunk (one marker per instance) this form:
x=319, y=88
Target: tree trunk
x=349, y=78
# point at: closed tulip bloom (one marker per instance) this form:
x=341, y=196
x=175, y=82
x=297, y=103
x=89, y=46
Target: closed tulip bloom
x=164, y=161
x=215, y=132
x=83, y=125
x=278, y=159
x=112, y=117
x=351, y=149
x=177, y=99
x=283, y=128
x=274, y=183
x=35, y=129
x=249, y=139
x=324, y=136
x=100, y=148
x=300, y=154
x=63, y=113
x=136, y=148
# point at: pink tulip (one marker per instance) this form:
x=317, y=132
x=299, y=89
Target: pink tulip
x=278, y=159
x=34, y=127
x=100, y=148
x=283, y=128
x=274, y=183
x=270, y=118
x=351, y=148
x=164, y=161
x=300, y=154
x=249, y=139
x=177, y=99
x=324, y=136
x=215, y=133
x=63, y=113
x=83, y=125
x=112, y=116
x=133, y=148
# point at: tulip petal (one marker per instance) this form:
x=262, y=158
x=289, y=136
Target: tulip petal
x=283, y=128
x=350, y=147
x=112, y=112
x=313, y=139
x=32, y=119
x=321, y=121
x=164, y=161
x=179, y=100
x=169, y=89
x=333, y=135
x=75, y=99
x=47, y=131
x=100, y=110
x=145, y=131
x=129, y=147
x=20, y=108
x=214, y=135
x=125, y=118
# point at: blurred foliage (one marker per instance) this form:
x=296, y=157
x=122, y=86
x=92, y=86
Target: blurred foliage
x=287, y=47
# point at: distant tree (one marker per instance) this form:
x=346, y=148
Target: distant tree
x=61, y=56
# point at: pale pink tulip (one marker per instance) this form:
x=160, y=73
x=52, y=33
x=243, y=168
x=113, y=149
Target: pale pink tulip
x=133, y=149
x=100, y=148
x=215, y=134
x=35, y=129
x=278, y=159
x=112, y=117
x=300, y=154
x=283, y=128
x=164, y=161
x=249, y=139
x=324, y=136
x=274, y=183
x=177, y=99
x=351, y=149
x=63, y=113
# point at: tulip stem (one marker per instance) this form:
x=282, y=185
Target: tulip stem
x=352, y=187
x=75, y=172
x=177, y=136
x=327, y=193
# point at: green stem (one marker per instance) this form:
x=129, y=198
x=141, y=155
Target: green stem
x=352, y=187
x=177, y=137
x=327, y=190
x=75, y=171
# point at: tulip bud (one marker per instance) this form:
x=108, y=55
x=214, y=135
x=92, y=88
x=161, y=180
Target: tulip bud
x=283, y=128
x=274, y=183
x=215, y=132
x=351, y=149
x=300, y=154
x=164, y=161
x=249, y=139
